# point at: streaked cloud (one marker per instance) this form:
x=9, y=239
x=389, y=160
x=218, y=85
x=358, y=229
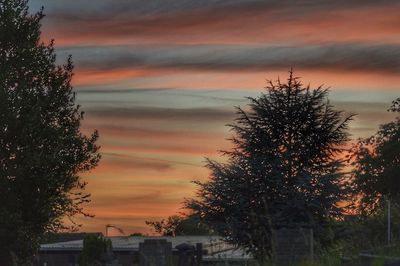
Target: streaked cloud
x=222, y=21
x=199, y=114
x=159, y=80
x=332, y=57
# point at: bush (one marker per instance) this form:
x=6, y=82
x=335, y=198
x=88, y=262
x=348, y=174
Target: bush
x=96, y=251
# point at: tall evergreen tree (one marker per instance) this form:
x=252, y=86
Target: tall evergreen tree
x=283, y=171
x=42, y=150
x=377, y=165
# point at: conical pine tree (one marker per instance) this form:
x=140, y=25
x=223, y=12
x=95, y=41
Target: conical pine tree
x=283, y=171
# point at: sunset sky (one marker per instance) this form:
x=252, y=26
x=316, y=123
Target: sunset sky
x=159, y=79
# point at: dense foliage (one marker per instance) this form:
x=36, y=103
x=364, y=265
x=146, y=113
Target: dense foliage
x=97, y=250
x=42, y=150
x=377, y=165
x=283, y=171
x=177, y=225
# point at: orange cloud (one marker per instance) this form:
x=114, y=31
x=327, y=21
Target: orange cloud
x=240, y=24
x=151, y=148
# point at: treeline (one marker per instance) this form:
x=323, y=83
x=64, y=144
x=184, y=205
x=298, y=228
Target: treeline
x=292, y=165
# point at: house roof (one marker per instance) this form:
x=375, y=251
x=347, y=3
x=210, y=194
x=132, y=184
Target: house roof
x=66, y=237
x=215, y=245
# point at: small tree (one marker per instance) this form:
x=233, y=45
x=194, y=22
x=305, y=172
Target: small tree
x=176, y=225
x=166, y=227
x=377, y=165
x=96, y=251
x=283, y=171
x=42, y=150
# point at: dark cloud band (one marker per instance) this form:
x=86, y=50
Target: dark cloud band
x=115, y=9
x=339, y=57
x=182, y=114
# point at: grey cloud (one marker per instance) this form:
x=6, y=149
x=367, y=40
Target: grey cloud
x=136, y=7
x=113, y=9
x=95, y=90
x=181, y=93
x=157, y=18
x=194, y=114
x=340, y=57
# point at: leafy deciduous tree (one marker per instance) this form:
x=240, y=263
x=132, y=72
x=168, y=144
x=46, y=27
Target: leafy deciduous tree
x=42, y=150
x=166, y=227
x=377, y=165
x=96, y=251
x=176, y=225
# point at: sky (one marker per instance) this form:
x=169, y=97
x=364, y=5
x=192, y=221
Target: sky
x=159, y=79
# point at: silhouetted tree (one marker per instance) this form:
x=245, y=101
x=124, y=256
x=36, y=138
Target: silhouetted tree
x=97, y=250
x=377, y=165
x=177, y=225
x=283, y=170
x=166, y=227
x=42, y=150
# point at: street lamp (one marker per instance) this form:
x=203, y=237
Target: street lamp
x=388, y=222
x=113, y=226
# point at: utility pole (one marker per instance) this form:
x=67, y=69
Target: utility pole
x=388, y=222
